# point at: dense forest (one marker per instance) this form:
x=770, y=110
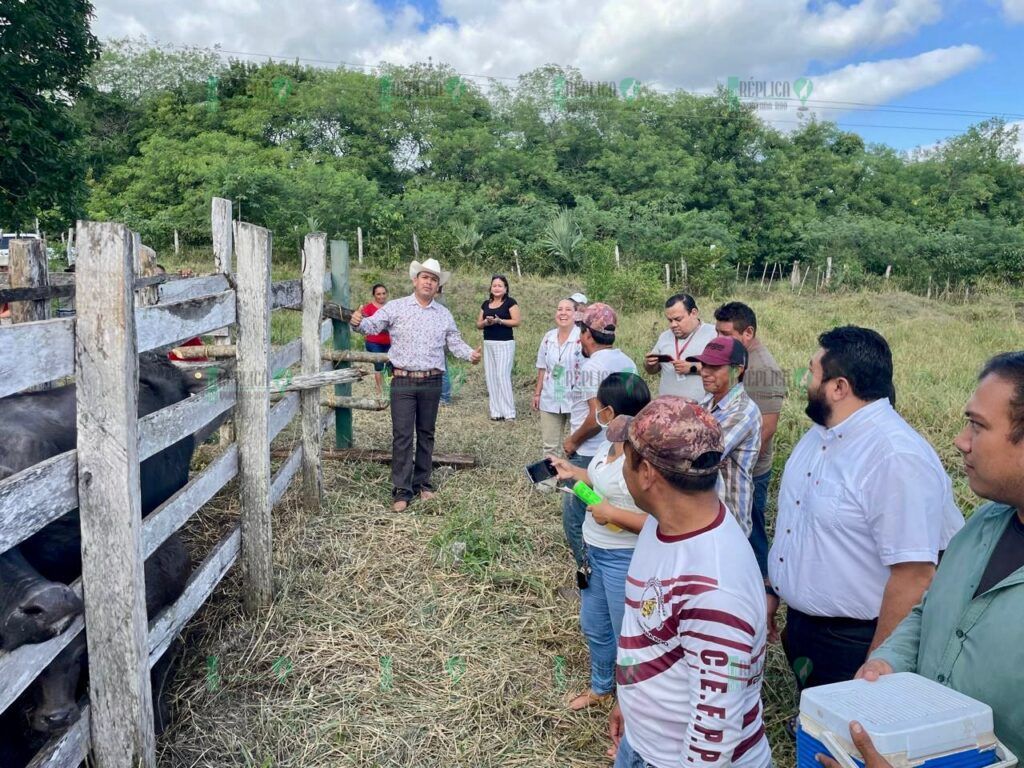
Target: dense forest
x=549, y=167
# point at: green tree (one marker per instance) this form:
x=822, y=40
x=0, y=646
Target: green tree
x=45, y=52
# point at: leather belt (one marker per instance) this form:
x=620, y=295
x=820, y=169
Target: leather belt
x=417, y=374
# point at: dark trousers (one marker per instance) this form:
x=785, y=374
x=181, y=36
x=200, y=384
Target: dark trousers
x=414, y=404
x=825, y=650
x=759, y=531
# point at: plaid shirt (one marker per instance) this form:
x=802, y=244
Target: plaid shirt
x=740, y=420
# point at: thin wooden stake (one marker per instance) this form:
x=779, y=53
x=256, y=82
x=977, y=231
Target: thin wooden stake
x=519, y=272
x=617, y=263
x=176, y=248
x=828, y=271
x=314, y=266
x=763, y=273
x=222, y=230
x=747, y=278
x=359, y=243
x=668, y=279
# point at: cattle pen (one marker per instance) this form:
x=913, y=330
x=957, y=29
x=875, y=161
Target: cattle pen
x=119, y=315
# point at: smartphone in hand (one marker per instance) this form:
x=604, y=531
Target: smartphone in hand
x=541, y=471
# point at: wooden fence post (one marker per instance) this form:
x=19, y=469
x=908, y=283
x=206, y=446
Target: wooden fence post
x=668, y=278
x=617, y=264
x=359, y=244
x=253, y=247
x=343, y=336
x=794, y=275
x=828, y=271
x=222, y=229
x=28, y=269
x=106, y=366
x=313, y=268
x=764, y=273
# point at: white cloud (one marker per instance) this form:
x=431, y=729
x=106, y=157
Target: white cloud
x=675, y=43
x=879, y=82
x=1014, y=10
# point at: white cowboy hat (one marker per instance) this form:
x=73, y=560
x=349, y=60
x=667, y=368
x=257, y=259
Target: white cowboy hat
x=431, y=266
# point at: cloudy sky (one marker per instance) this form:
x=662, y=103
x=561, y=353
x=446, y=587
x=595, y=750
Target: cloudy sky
x=904, y=72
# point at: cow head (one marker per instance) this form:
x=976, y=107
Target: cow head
x=55, y=691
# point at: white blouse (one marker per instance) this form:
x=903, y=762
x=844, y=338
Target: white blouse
x=561, y=366
x=606, y=477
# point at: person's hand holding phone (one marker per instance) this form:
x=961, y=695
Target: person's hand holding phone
x=684, y=368
x=563, y=468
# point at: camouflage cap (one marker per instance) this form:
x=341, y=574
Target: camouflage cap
x=671, y=433
x=599, y=317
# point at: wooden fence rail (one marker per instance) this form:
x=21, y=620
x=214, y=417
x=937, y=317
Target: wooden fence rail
x=100, y=347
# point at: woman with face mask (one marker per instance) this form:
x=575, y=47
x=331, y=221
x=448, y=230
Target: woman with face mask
x=559, y=358
x=609, y=532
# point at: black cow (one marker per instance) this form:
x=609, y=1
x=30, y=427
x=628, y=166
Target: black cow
x=51, y=702
x=35, y=603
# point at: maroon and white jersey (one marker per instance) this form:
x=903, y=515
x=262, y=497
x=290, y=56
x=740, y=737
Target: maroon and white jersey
x=692, y=650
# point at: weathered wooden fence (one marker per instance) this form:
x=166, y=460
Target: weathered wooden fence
x=100, y=347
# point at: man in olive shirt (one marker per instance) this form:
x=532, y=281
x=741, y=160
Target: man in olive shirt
x=766, y=385
x=967, y=632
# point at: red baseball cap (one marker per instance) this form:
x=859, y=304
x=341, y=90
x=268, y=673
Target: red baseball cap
x=722, y=350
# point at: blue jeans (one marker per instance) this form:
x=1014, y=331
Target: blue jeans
x=373, y=346
x=759, y=531
x=446, y=387
x=602, y=605
x=573, y=513
x=627, y=758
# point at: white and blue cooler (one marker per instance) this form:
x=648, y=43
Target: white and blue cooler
x=912, y=721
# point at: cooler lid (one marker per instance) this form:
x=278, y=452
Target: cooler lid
x=903, y=713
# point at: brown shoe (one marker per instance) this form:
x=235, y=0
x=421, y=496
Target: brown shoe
x=399, y=505
x=589, y=699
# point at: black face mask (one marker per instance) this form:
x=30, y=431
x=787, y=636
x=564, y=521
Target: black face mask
x=818, y=408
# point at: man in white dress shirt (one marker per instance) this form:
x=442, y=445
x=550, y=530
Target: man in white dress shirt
x=686, y=337
x=865, y=508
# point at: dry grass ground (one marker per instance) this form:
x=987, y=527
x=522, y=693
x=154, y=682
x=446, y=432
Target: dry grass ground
x=434, y=637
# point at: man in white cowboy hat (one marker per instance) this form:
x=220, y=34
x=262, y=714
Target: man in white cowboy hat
x=420, y=330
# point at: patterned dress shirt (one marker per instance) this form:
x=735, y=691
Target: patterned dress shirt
x=740, y=421
x=418, y=334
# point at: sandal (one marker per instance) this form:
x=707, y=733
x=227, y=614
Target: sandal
x=589, y=699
